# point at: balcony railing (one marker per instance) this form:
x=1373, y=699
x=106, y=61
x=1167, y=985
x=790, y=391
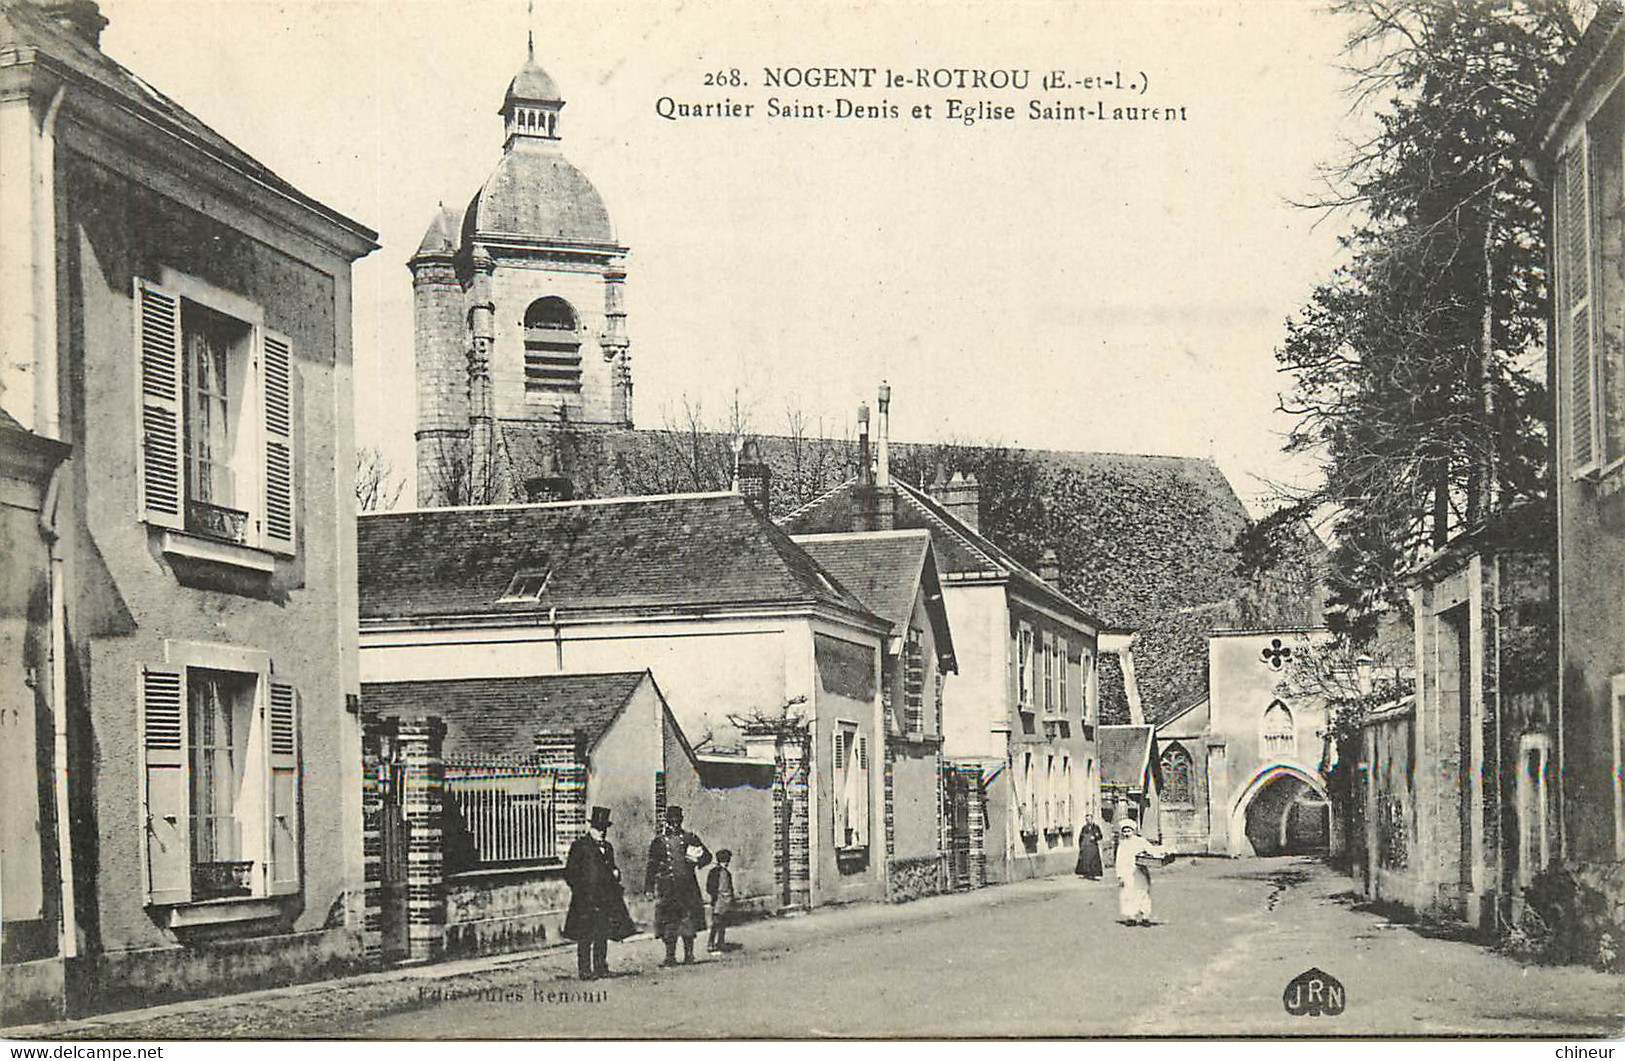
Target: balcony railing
x=217, y=521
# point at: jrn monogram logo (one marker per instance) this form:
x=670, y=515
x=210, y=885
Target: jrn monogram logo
x=1314, y=994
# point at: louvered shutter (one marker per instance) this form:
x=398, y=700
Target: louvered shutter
x=282, y=769
x=166, y=792
x=861, y=828
x=279, y=532
x=160, y=478
x=838, y=775
x=1575, y=324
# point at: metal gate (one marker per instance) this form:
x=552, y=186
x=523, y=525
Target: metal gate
x=393, y=840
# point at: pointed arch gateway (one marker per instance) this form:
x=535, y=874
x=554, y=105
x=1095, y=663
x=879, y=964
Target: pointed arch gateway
x=1283, y=810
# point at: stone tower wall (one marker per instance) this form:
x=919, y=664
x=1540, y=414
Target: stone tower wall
x=440, y=340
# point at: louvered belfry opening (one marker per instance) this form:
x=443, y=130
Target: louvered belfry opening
x=552, y=348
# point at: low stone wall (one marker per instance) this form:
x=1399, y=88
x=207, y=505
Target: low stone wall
x=149, y=977
x=915, y=878
x=31, y=992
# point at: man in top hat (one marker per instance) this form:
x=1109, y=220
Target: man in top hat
x=597, y=908
x=674, y=855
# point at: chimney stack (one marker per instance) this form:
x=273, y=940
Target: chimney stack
x=962, y=497
x=753, y=479
x=82, y=18
x=882, y=445
x=1049, y=569
x=863, y=444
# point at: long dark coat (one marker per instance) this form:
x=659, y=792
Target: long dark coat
x=597, y=907
x=679, y=909
x=1089, y=852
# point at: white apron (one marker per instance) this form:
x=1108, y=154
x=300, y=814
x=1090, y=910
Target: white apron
x=1133, y=879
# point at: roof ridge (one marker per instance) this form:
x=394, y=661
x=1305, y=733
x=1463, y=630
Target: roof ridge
x=577, y=503
x=808, y=506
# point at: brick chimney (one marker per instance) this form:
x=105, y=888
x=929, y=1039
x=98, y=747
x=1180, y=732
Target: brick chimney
x=82, y=18
x=962, y=496
x=753, y=477
x=1049, y=568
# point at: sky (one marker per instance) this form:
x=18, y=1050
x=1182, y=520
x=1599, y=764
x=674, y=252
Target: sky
x=1065, y=285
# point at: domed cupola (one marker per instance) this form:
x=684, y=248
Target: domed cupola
x=532, y=104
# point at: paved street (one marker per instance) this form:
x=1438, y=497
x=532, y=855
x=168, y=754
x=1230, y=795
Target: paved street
x=1037, y=958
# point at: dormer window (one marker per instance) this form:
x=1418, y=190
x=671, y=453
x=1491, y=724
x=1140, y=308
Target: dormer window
x=525, y=587
x=552, y=348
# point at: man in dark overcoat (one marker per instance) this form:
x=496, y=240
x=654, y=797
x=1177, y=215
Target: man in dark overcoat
x=597, y=907
x=674, y=855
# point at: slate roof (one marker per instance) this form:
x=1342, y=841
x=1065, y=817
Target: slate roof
x=1125, y=754
x=960, y=550
x=502, y=716
x=536, y=193
x=23, y=26
x=669, y=552
x=885, y=569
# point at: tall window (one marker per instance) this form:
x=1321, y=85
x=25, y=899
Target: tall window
x=1061, y=650
x=851, y=787
x=221, y=759
x=1590, y=290
x=1024, y=667
x=217, y=417
x=552, y=348
x=1176, y=775
x=1049, y=674
x=1279, y=740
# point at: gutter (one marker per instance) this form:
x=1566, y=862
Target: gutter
x=50, y=532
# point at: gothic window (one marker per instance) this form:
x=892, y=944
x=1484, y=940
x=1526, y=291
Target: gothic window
x=1280, y=742
x=1176, y=775
x=552, y=348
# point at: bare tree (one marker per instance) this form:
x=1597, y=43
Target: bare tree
x=377, y=487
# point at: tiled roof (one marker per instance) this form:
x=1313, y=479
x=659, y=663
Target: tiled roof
x=885, y=570
x=1125, y=754
x=24, y=26
x=685, y=551
x=502, y=716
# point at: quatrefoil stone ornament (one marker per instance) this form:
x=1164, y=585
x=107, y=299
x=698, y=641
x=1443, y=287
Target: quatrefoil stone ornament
x=1276, y=654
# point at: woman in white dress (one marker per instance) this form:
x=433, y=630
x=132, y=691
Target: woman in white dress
x=1133, y=878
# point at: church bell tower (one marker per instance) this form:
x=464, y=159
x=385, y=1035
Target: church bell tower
x=519, y=314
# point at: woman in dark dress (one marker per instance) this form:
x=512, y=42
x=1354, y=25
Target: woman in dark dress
x=1089, y=866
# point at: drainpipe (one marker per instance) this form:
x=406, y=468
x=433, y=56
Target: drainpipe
x=59, y=709
x=558, y=639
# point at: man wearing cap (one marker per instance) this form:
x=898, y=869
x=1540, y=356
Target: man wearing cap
x=597, y=909
x=674, y=855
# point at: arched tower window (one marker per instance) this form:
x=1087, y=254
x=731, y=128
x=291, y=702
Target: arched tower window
x=1280, y=742
x=552, y=348
x=1176, y=775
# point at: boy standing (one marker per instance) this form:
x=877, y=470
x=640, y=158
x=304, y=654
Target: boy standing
x=719, y=886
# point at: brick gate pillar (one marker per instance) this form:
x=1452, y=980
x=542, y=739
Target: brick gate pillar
x=976, y=799
x=794, y=768
x=372, y=842
x=420, y=741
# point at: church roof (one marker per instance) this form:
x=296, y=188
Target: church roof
x=695, y=550
x=536, y=193
x=441, y=238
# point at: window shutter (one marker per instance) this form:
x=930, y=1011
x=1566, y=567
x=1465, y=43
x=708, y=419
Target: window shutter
x=1574, y=291
x=282, y=780
x=861, y=828
x=165, y=791
x=276, y=377
x=161, y=497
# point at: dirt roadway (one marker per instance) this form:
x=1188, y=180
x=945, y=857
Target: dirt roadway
x=1040, y=958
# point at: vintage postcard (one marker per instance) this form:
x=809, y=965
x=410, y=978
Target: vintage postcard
x=702, y=519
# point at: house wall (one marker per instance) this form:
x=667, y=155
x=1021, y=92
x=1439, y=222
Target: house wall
x=1389, y=792
x=914, y=855
x=846, y=876
x=1052, y=846
x=30, y=890
x=975, y=702
x=727, y=808
x=1242, y=685
x=130, y=601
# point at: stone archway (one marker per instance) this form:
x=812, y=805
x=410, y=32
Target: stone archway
x=1282, y=811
